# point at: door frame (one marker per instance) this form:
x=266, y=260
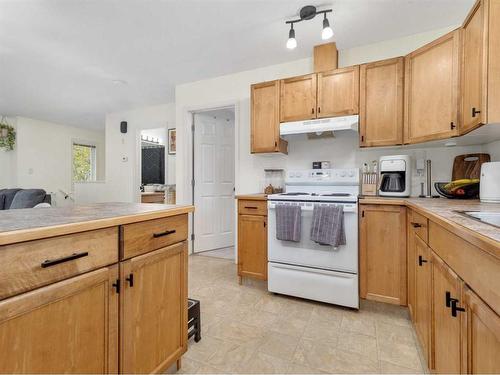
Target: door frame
x=190, y=112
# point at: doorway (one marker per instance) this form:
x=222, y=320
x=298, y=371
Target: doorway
x=153, y=166
x=214, y=180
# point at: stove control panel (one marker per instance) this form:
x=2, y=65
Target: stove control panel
x=348, y=176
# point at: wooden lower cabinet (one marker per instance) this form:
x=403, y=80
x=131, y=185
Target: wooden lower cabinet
x=383, y=253
x=67, y=327
x=252, y=246
x=423, y=296
x=154, y=310
x=446, y=318
x=480, y=337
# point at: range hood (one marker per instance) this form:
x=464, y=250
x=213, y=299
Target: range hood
x=319, y=126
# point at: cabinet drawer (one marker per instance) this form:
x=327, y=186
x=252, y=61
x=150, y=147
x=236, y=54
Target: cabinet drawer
x=251, y=207
x=29, y=265
x=420, y=225
x=143, y=237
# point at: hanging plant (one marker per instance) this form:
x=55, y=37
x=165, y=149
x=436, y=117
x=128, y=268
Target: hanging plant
x=7, y=136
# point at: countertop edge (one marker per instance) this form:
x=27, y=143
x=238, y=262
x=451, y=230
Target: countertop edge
x=23, y=235
x=479, y=240
x=253, y=197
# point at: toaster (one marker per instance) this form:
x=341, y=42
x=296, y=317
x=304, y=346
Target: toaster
x=489, y=190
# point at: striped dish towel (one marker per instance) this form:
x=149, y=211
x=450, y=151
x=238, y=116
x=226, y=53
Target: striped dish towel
x=328, y=225
x=288, y=222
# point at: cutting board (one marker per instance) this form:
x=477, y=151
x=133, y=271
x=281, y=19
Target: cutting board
x=468, y=166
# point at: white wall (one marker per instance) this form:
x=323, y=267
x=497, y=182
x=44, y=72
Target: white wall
x=235, y=88
x=494, y=150
x=122, y=155
x=43, y=156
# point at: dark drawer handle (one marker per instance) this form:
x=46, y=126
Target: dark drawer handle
x=53, y=262
x=421, y=260
x=416, y=225
x=455, y=308
x=251, y=207
x=162, y=234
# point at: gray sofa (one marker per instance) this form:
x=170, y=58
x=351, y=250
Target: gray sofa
x=22, y=198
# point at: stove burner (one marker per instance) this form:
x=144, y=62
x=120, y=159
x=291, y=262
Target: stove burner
x=336, y=195
x=294, y=194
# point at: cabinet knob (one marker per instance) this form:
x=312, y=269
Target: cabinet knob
x=416, y=225
x=475, y=112
x=452, y=125
x=312, y=111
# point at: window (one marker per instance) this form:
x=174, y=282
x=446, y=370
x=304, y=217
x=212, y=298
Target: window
x=84, y=162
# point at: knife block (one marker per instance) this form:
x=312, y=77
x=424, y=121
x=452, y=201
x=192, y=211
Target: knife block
x=369, y=184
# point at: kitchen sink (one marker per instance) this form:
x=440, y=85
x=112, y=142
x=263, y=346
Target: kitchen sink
x=491, y=218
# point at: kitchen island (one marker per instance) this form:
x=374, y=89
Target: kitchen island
x=93, y=289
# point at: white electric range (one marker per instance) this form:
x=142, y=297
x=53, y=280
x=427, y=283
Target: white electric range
x=307, y=269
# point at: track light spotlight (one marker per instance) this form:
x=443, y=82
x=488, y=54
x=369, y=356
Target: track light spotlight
x=291, y=42
x=327, y=32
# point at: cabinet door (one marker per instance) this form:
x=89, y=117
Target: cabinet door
x=481, y=337
x=411, y=265
x=383, y=253
x=265, y=137
x=474, y=72
x=446, y=293
x=298, y=98
x=252, y=246
x=154, y=310
x=338, y=92
x=381, y=103
x=67, y=327
x=431, y=90
x=423, y=296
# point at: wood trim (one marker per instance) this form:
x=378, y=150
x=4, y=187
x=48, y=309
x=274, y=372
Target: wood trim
x=493, y=77
x=253, y=197
x=59, y=230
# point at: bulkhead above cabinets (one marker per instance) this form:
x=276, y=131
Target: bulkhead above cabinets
x=445, y=89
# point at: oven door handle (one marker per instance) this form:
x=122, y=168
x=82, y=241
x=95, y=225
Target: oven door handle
x=348, y=209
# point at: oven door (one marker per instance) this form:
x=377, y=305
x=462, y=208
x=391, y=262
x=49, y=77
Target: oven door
x=309, y=253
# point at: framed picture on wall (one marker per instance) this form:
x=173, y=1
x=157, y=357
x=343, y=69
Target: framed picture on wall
x=172, y=141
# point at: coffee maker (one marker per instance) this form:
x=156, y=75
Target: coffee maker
x=395, y=176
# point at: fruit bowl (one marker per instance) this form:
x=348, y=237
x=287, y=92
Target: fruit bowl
x=462, y=189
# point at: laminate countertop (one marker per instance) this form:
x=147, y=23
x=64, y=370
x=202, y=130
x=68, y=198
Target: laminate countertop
x=447, y=213
x=35, y=223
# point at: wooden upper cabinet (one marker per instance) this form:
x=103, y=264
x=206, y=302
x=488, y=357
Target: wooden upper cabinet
x=265, y=114
x=154, y=310
x=446, y=318
x=338, y=92
x=473, y=69
x=67, y=327
x=298, y=98
x=383, y=253
x=431, y=90
x=480, y=84
x=481, y=337
x=381, y=103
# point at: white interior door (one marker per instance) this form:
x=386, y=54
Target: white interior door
x=214, y=180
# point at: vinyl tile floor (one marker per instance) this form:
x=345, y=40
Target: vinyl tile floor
x=246, y=329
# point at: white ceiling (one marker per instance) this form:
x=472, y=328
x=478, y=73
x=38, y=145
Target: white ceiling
x=58, y=58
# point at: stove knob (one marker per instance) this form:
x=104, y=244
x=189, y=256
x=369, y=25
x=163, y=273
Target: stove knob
x=298, y=175
x=351, y=174
x=342, y=174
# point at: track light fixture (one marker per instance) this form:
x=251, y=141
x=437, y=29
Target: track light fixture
x=291, y=42
x=308, y=13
